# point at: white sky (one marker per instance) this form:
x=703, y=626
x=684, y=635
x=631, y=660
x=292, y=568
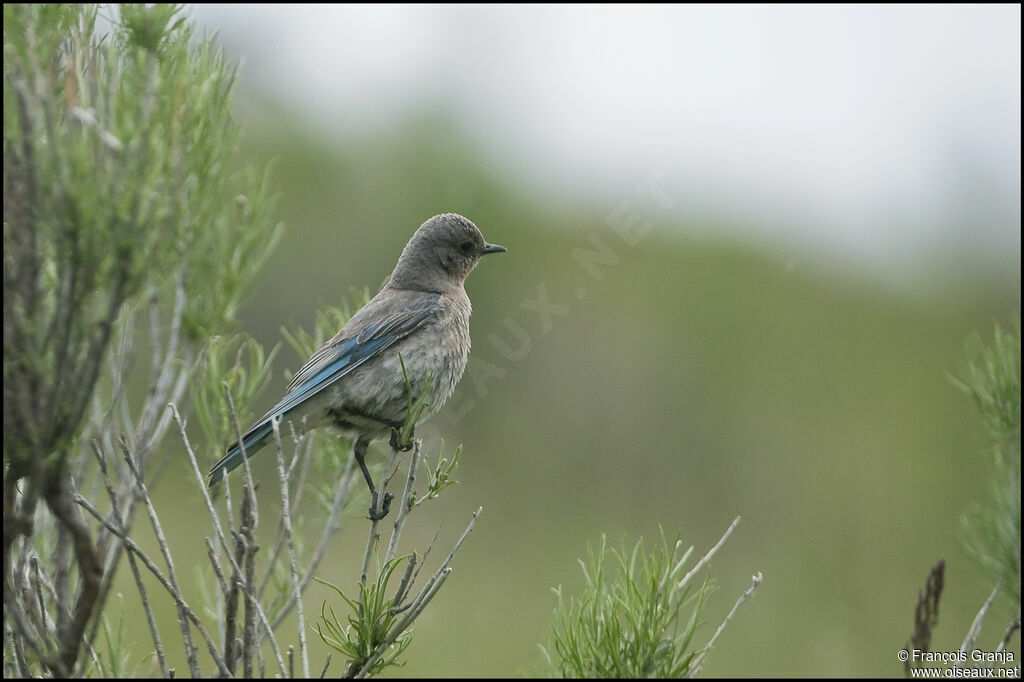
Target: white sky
x=871, y=130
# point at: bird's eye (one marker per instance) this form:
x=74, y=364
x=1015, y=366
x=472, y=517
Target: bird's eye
x=466, y=247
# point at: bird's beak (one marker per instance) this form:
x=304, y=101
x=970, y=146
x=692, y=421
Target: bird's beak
x=494, y=248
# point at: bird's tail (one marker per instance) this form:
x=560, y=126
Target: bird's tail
x=254, y=439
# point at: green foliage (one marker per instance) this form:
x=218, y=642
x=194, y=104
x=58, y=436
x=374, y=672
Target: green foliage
x=329, y=319
x=121, y=201
x=233, y=247
x=992, y=528
x=115, y=649
x=992, y=379
x=631, y=623
x=149, y=27
x=240, y=363
x=117, y=189
x=438, y=477
x=372, y=617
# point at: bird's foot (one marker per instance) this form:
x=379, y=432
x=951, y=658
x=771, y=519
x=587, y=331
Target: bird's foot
x=376, y=515
x=396, y=440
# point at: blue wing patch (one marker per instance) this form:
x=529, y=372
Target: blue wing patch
x=333, y=360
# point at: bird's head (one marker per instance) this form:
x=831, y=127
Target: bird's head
x=441, y=254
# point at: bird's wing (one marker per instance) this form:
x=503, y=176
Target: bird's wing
x=355, y=344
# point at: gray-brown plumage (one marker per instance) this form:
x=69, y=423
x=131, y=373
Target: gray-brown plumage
x=354, y=382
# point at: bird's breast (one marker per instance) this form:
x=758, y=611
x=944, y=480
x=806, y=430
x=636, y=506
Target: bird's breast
x=436, y=351
x=445, y=352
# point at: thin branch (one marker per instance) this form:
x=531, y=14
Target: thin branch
x=60, y=501
x=1010, y=629
x=38, y=617
x=132, y=561
x=232, y=644
x=711, y=552
x=236, y=565
x=148, y=563
x=247, y=550
x=231, y=649
x=255, y=604
x=286, y=520
x=25, y=633
x=458, y=544
x=327, y=664
x=403, y=510
x=248, y=487
x=147, y=434
x=211, y=553
x=371, y=541
x=186, y=630
x=403, y=587
x=296, y=500
x=697, y=664
x=422, y=563
x=40, y=581
x=341, y=491
x=975, y=629
x=217, y=527
x=20, y=666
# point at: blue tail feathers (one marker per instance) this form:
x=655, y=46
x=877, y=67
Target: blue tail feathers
x=254, y=439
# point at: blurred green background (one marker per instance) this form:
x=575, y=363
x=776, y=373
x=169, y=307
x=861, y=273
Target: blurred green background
x=701, y=376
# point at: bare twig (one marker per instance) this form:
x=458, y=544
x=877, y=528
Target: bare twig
x=231, y=650
x=46, y=623
x=247, y=550
x=17, y=659
x=211, y=552
x=25, y=632
x=403, y=509
x=422, y=563
x=248, y=487
x=150, y=620
x=371, y=541
x=59, y=498
x=233, y=644
x=1010, y=629
x=218, y=528
x=975, y=629
x=698, y=664
x=286, y=520
x=186, y=630
x=327, y=664
x=341, y=492
x=172, y=590
x=295, y=490
x=403, y=587
x=300, y=442
x=711, y=552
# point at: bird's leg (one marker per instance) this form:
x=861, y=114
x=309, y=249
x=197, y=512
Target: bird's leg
x=360, y=453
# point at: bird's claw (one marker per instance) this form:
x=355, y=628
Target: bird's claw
x=385, y=508
x=396, y=444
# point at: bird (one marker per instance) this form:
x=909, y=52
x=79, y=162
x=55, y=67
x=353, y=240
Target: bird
x=415, y=328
